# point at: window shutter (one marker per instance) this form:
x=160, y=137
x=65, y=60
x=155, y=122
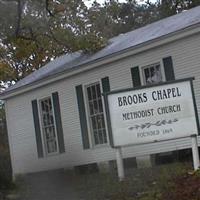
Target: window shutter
x=105, y=84
x=135, y=73
x=168, y=68
x=58, y=122
x=82, y=117
x=37, y=129
x=106, y=88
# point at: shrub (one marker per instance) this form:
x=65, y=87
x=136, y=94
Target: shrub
x=5, y=163
x=156, y=183
x=5, y=172
x=185, y=187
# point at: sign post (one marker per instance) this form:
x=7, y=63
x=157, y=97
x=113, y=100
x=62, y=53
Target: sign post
x=120, y=165
x=195, y=152
x=153, y=113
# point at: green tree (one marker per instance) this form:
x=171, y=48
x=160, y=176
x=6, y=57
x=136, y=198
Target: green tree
x=36, y=31
x=167, y=8
x=113, y=18
x=40, y=30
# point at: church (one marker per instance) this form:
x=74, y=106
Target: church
x=56, y=116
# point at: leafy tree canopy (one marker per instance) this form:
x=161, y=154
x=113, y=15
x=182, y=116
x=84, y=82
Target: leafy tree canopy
x=38, y=31
x=35, y=31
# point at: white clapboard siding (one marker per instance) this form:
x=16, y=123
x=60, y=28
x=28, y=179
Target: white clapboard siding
x=186, y=59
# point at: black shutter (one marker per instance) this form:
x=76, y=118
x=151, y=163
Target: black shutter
x=37, y=129
x=105, y=84
x=82, y=117
x=106, y=88
x=168, y=68
x=58, y=121
x=135, y=73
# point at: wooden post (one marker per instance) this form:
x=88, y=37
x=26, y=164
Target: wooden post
x=195, y=152
x=120, y=165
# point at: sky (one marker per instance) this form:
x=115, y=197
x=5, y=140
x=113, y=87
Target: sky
x=89, y=2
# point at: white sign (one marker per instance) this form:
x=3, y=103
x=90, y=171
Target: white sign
x=152, y=114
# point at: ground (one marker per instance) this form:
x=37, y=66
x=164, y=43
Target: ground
x=165, y=182
x=51, y=185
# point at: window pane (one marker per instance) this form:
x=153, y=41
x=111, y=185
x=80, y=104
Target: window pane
x=50, y=105
x=94, y=123
x=158, y=75
x=51, y=119
x=91, y=108
x=153, y=74
x=93, y=92
x=101, y=141
x=48, y=119
x=98, y=90
x=100, y=105
x=44, y=120
x=51, y=146
x=152, y=71
x=49, y=133
x=96, y=139
x=96, y=114
x=46, y=108
x=99, y=121
x=89, y=93
x=103, y=122
x=147, y=75
x=42, y=105
x=104, y=136
x=96, y=110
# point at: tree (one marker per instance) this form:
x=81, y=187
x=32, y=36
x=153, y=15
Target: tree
x=105, y=18
x=167, y=8
x=37, y=31
x=40, y=30
x=113, y=18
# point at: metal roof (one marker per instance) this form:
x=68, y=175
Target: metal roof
x=115, y=45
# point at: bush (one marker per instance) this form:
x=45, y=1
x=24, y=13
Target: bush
x=5, y=172
x=5, y=163
x=156, y=183
x=185, y=187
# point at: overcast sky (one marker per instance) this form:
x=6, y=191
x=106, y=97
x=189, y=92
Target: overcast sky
x=89, y=2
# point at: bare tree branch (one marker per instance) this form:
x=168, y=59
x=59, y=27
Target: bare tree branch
x=19, y=16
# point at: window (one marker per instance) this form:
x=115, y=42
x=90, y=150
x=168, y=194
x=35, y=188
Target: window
x=152, y=74
x=48, y=126
x=96, y=115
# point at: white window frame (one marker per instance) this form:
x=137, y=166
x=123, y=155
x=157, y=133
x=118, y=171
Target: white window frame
x=89, y=122
x=142, y=74
x=44, y=142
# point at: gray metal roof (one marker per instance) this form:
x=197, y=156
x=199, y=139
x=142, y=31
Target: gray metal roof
x=122, y=42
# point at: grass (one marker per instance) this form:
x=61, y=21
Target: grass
x=140, y=184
